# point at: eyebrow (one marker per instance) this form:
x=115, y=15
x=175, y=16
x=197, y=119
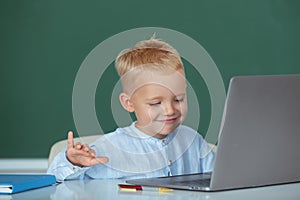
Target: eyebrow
x=154, y=98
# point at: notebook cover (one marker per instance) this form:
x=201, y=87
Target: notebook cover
x=13, y=183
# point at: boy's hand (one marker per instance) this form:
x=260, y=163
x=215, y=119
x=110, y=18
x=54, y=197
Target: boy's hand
x=82, y=155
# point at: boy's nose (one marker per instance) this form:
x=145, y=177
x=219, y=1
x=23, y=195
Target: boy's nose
x=169, y=109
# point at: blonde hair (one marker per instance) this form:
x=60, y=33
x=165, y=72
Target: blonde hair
x=148, y=54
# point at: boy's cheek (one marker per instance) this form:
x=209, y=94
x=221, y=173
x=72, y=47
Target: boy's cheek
x=183, y=107
x=147, y=117
x=184, y=110
x=153, y=112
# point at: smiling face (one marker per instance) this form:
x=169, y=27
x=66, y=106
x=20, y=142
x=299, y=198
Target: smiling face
x=159, y=102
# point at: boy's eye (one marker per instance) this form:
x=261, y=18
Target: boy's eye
x=154, y=103
x=179, y=99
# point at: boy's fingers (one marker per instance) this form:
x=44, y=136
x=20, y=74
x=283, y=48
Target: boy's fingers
x=101, y=160
x=85, y=159
x=82, y=154
x=92, y=152
x=70, y=140
x=86, y=148
x=78, y=146
x=78, y=152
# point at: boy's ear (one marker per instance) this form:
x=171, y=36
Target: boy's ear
x=126, y=103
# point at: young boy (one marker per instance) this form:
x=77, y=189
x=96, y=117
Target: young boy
x=154, y=88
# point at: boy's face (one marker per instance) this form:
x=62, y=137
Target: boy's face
x=159, y=102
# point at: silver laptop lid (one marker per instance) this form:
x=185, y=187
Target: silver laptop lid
x=259, y=140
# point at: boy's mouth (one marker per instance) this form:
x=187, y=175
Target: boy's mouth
x=168, y=120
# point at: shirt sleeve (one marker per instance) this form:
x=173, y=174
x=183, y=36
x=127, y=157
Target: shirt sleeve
x=63, y=169
x=207, y=158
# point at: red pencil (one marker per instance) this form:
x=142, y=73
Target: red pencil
x=126, y=187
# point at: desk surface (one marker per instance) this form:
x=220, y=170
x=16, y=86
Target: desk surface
x=108, y=189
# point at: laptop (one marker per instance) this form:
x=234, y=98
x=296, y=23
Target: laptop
x=259, y=138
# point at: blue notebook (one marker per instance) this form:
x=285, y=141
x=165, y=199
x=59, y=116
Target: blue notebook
x=13, y=183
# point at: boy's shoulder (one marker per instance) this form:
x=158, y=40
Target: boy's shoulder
x=186, y=133
x=188, y=130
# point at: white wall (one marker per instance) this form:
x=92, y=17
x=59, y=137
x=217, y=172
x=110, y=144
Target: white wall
x=23, y=165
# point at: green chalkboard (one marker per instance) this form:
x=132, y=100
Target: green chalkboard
x=43, y=44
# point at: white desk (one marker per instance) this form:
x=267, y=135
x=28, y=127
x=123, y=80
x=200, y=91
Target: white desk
x=108, y=189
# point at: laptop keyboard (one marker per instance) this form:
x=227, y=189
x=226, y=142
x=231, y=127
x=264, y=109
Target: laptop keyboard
x=198, y=183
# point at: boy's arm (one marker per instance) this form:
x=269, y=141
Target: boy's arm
x=207, y=158
x=63, y=169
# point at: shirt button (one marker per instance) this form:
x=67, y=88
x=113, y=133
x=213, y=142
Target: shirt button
x=164, y=142
x=170, y=162
x=75, y=169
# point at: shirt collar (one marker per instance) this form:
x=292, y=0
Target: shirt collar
x=133, y=131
